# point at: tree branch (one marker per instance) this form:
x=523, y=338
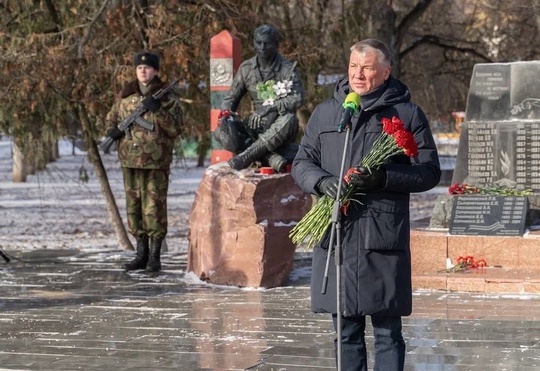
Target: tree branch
x=89, y=30
x=434, y=40
x=411, y=17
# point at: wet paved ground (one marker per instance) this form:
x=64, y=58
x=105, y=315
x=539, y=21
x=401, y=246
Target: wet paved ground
x=63, y=310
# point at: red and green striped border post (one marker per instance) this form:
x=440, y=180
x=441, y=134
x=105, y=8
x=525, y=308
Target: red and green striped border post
x=225, y=58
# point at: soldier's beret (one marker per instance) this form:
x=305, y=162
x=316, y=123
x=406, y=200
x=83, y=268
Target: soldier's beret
x=147, y=58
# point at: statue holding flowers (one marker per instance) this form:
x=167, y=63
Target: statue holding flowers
x=269, y=133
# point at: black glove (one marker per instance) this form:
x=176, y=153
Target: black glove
x=363, y=180
x=329, y=186
x=152, y=104
x=115, y=133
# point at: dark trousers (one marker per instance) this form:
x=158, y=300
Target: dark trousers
x=389, y=345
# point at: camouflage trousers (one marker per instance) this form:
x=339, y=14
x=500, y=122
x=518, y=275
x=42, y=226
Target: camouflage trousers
x=146, y=201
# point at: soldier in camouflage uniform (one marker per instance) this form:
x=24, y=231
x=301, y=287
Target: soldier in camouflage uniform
x=272, y=128
x=145, y=157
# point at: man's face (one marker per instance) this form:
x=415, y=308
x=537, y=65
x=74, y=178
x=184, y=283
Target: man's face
x=265, y=47
x=145, y=73
x=366, y=73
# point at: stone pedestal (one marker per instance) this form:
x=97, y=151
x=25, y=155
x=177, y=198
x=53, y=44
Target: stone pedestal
x=513, y=262
x=239, y=226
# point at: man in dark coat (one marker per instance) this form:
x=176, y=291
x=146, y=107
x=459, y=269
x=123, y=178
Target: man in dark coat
x=376, y=267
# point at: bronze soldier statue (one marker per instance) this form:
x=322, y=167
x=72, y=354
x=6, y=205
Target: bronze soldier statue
x=145, y=156
x=273, y=84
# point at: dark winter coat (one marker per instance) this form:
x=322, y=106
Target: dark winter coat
x=376, y=270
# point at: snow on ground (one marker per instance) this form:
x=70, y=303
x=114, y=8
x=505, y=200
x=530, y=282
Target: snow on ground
x=54, y=209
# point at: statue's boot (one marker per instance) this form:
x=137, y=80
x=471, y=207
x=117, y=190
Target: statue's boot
x=276, y=161
x=254, y=152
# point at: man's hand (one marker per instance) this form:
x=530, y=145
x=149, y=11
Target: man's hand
x=152, y=104
x=364, y=180
x=115, y=133
x=329, y=186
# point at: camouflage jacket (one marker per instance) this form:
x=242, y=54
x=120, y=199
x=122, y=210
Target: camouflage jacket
x=249, y=75
x=147, y=149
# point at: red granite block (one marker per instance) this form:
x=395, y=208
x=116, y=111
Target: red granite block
x=495, y=250
x=465, y=246
x=465, y=282
x=529, y=253
x=501, y=251
x=239, y=227
x=499, y=286
x=428, y=251
x=531, y=287
x=429, y=282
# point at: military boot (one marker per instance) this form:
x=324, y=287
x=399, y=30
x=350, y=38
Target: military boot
x=154, y=263
x=142, y=256
x=254, y=152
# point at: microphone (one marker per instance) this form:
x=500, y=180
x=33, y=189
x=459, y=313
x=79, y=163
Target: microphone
x=350, y=105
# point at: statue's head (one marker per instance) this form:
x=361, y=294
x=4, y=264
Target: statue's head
x=266, y=41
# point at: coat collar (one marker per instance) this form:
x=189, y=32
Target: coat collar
x=133, y=87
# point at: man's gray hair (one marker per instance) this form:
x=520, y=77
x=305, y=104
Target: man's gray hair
x=373, y=44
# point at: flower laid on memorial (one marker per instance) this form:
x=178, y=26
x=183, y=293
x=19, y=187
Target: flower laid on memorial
x=394, y=140
x=466, y=263
x=270, y=91
x=492, y=190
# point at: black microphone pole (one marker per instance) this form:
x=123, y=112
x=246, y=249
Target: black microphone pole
x=335, y=234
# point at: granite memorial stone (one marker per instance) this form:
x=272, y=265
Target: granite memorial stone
x=500, y=143
x=239, y=227
x=500, y=138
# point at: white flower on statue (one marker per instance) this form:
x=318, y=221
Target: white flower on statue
x=270, y=91
x=282, y=88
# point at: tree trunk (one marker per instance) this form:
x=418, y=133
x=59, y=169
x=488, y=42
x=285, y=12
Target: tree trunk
x=54, y=152
x=19, y=164
x=95, y=159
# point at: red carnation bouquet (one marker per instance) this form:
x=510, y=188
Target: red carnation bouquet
x=394, y=140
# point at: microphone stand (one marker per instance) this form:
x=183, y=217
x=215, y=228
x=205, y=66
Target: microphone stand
x=335, y=234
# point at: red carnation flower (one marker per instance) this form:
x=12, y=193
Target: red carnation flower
x=405, y=140
x=390, y=126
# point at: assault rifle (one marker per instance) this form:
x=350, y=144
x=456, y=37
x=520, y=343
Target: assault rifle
x=136, y=117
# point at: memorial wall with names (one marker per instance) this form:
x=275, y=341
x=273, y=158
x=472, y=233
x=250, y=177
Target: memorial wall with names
x=502, y=127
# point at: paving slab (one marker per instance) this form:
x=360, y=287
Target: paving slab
x=69, y=310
